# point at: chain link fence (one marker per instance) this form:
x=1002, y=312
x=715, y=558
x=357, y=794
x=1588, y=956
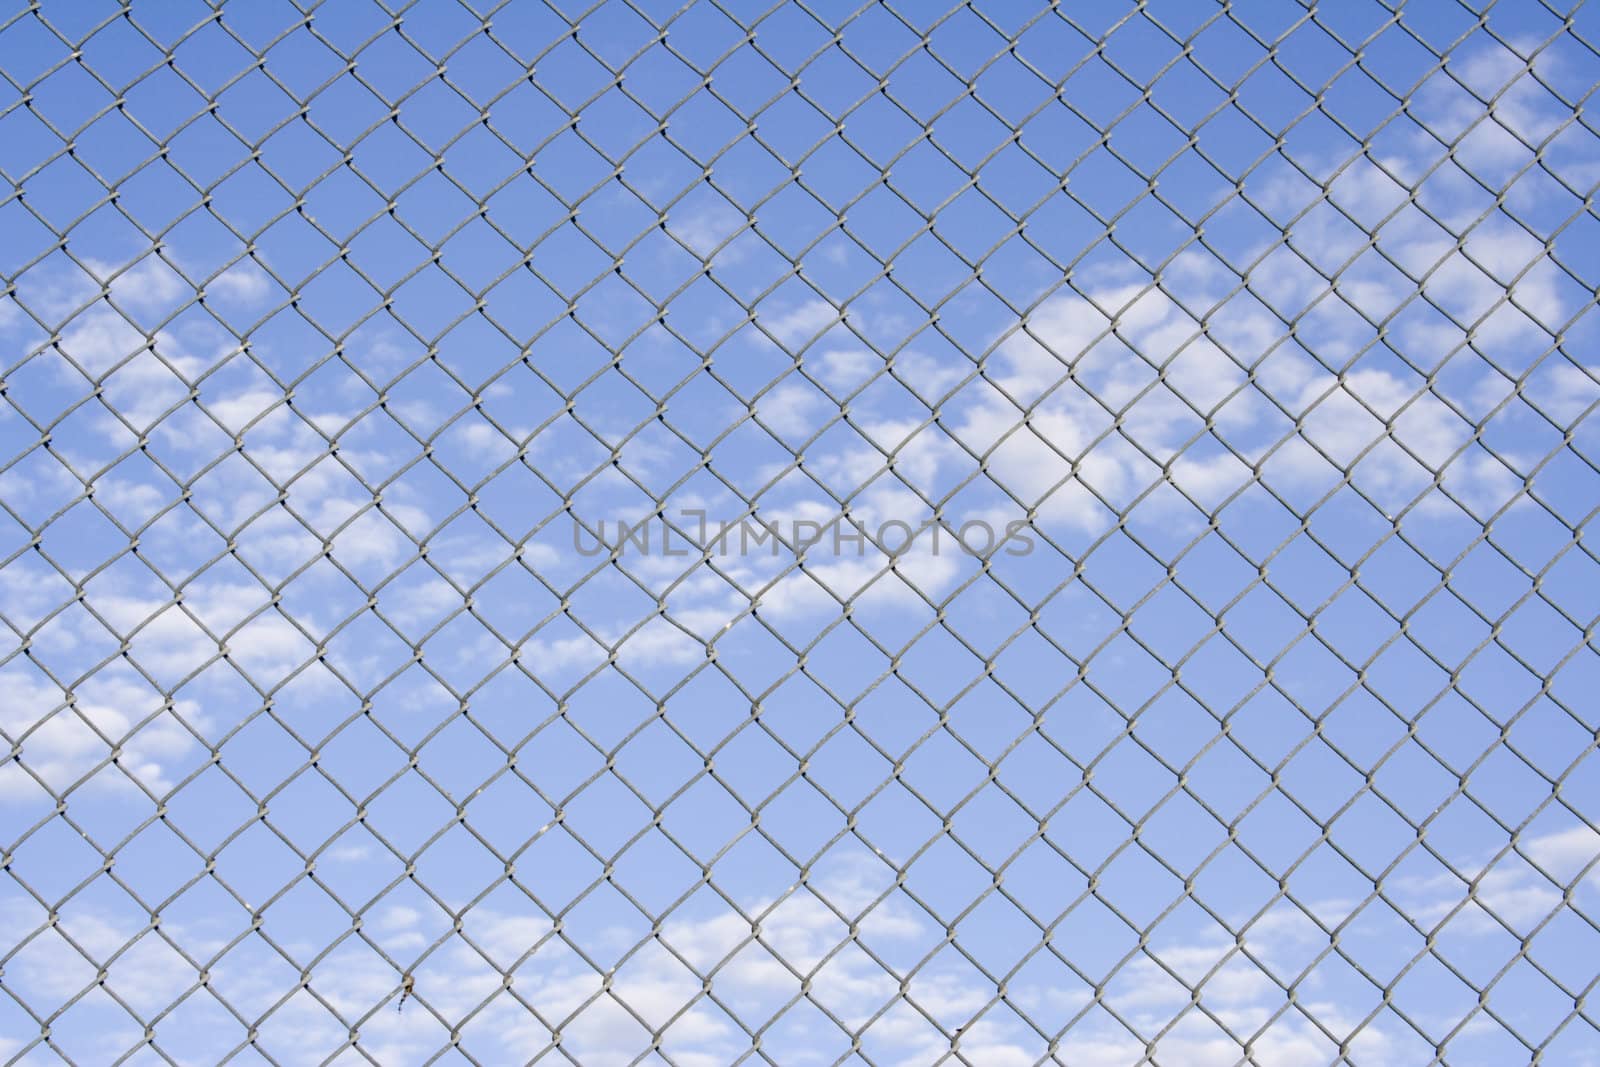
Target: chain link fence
x=727, y=533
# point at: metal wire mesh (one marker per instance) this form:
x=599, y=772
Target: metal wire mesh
x=474, y=476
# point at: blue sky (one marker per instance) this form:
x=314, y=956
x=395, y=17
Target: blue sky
x=330, y=334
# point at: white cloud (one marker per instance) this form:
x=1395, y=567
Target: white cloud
x=846, y=369
x=63, y=740
x=792, y=410
x=1509, y=890
x=1566, y=853
x=803, y=322
x=1567, y=392
x=150, y=284
x=705, y=226
x=481, y=439
x=243, y=281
